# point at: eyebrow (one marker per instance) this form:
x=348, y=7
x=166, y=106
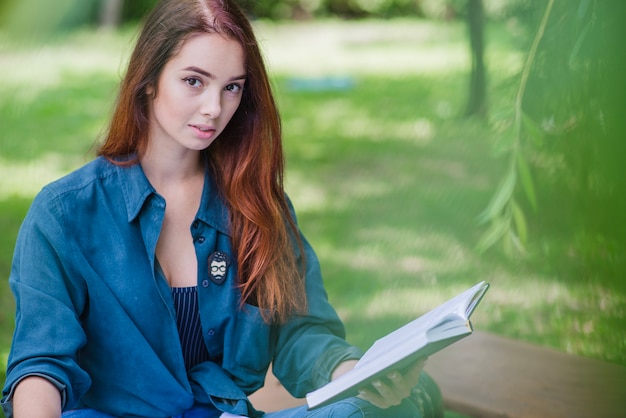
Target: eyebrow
x=211, y=76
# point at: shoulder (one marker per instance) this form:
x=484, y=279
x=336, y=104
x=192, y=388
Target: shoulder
x=62, y=203
x=85, y=185
x=82, y=177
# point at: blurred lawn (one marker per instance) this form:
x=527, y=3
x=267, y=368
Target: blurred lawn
x=386, y=178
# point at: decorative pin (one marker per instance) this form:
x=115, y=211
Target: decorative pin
x=218, y=266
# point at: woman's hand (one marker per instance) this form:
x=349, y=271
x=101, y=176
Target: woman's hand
x=388, y=392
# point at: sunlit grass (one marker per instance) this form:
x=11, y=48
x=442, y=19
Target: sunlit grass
x=361, y=48
x=25, y=179
x=32, y=67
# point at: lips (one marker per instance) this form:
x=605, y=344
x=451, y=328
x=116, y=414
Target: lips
x=203, y=131
x=203, y=127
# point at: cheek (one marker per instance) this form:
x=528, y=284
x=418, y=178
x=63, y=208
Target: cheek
x=168, y=105
x=232, y=107
x=160, y=110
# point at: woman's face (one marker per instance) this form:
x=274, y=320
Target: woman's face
x=197, y=93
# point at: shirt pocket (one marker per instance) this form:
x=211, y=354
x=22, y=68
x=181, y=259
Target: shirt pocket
x=251, y=346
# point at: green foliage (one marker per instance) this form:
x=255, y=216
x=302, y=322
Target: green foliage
x=134, y=10
x=37, y=19
x=51, y=16
x=508, y=222
x=304, y=9
x=565, y=143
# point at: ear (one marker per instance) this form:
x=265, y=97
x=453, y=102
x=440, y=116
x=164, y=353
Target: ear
x=150, y=90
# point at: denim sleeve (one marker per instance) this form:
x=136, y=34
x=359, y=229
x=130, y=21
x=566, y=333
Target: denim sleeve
x=310, y=346
x=47, y=332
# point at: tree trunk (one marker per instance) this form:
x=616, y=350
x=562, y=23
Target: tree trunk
x=477, y=103
x=111, y=13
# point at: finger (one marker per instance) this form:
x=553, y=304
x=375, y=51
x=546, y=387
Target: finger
x=396, y=379
x=376, y=399
x=408, y=379
x=400, y=386
x=373, y=397
x=419, y=364
x=387, y=392
x=415, y=370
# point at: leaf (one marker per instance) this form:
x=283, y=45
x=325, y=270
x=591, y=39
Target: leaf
x=527, y=180
x=500, y=198
x=579, y=42
x=504, y=143
x=501, y=120
x=514, y=242
x=519, y=220
x=493, y=234
x=583, y=6
x=532, y=130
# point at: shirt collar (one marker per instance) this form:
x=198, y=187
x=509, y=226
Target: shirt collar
x=136, y=189
x=213, y=209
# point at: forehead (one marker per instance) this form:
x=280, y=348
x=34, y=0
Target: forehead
x=210, y=51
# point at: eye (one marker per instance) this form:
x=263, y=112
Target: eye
x=233, y=88
x=193, y=81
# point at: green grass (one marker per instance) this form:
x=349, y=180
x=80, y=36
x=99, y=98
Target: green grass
x=386, y=178
x=392, y=214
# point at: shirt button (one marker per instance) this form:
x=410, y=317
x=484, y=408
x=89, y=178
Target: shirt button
x=205, y=283
x=211, y=331
x=200, y=239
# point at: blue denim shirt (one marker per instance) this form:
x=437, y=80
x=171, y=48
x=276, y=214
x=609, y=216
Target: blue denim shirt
x=94, y=318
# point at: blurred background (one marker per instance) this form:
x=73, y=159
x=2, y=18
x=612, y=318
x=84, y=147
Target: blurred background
x=430, y=144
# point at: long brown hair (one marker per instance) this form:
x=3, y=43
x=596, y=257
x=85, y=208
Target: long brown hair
x=246, y=161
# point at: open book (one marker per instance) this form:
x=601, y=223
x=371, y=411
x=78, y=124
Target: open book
x=431, y=332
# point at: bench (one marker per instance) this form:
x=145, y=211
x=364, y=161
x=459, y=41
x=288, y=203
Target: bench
x=488, y=376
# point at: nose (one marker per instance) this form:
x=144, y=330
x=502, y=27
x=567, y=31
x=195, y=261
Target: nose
x=211, y=104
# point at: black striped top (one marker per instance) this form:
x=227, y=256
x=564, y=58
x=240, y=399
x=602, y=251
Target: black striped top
x=188, y=323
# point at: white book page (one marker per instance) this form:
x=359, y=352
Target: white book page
x=459, y=306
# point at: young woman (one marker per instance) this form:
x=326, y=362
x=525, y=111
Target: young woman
x=165, y=276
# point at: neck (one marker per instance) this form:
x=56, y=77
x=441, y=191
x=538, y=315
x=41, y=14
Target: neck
x=165, y=170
